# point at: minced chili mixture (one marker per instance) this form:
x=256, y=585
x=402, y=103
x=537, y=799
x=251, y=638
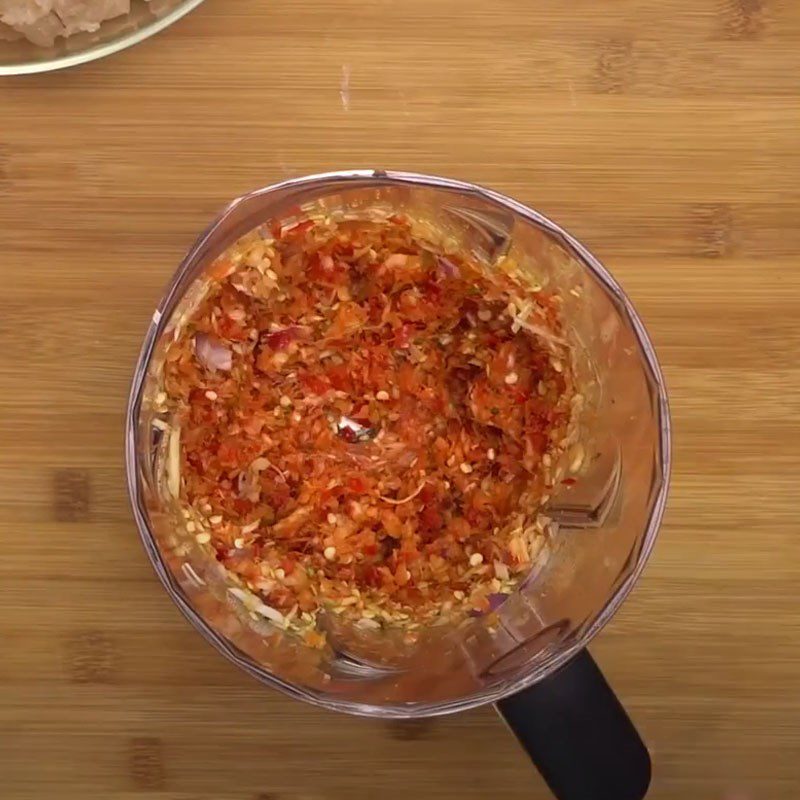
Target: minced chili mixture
x=365, y=424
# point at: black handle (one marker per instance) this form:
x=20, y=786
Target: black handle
x=578, y=735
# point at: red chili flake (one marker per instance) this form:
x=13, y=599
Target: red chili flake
x=338, y=376
x=296, y=230
x=287, y=565
x=280, y=340
x=348, y=434
x=402, y=337
x=315, y=384
x=521, y=397
x=431, y=519
x=357, y=484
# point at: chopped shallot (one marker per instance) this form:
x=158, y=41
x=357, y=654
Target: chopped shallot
x=447, y=268
x=212, y=354
x=496, y=600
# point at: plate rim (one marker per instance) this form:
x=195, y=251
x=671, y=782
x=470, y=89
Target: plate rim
x=101, y=50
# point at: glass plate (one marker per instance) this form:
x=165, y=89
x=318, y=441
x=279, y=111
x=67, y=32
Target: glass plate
x=21, y=56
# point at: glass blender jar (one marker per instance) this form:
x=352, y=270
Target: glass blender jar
x=529, y=656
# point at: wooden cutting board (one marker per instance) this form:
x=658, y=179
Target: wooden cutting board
x=664, y=133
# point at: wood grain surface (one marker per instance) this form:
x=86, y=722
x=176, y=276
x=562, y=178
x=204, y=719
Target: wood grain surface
x=663, y=133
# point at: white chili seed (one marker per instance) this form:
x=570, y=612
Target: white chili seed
x=203, y=538
x=490, y=454
x=285, y=401
x=330, y=553
x=511, y=378
x=331, y=519
x=211, y=394
x=465, y=468
x=381, y=395
x=216, y=519
x=475, y=559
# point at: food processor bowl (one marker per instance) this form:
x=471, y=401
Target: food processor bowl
x=606, y=506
